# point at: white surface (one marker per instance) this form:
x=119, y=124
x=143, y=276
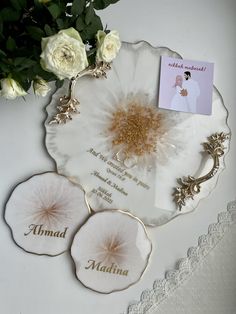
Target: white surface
x=201, y=30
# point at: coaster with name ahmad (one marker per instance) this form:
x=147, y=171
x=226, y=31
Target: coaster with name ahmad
x=44, y=212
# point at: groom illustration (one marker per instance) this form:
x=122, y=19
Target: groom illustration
x=191, y=91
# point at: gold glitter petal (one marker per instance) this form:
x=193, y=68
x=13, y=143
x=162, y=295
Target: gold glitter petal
x=136, y=128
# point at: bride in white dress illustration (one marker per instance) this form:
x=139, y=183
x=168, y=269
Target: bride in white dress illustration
x=179, y=102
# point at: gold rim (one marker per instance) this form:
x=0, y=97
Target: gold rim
x=11, y=229
x=147, y=259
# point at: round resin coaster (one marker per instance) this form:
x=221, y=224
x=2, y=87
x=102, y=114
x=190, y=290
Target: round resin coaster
x=44, y=213
x=110, y=251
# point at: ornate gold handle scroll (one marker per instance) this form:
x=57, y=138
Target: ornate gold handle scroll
x=190, y=186
x=68, y=103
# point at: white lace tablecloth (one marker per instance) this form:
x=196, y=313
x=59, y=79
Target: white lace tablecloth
x=204, y=281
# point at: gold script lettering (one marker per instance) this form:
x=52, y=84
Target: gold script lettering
x=111, y=269
x=39, y=231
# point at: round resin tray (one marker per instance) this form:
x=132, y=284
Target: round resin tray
x=82, y=148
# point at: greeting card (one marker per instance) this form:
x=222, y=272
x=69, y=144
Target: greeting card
x=186, y=85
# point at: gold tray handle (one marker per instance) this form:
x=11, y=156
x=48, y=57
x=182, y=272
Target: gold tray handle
x=68, y=103
x=190, y=186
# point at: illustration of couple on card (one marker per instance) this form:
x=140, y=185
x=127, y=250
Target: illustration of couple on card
x=186, y=93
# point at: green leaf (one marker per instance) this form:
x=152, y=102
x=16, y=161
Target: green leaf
x=89, y=14
x=16, y=4
x=91, y=52
x=60, y=23
x=27, y=64
x=91, y=55
x=55, y=10
x=37, y=4
x=27, y=52
x=59, y=83
x=80, y=25
x=102, y=4
x=38, y=71
x=67, y=22
x=92, y=58
x=19, y=60
x=2, y=38
x=5, y=67
x=2, y=53
x=1, y=27
x=22, y=79
x=22, y=3
x=35, y=32
x=10, y=44
x=9, y=15
x=78, y=7
x=48, y=30
x=90, y=31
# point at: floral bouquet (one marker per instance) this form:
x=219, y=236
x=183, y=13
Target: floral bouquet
x=49, y=40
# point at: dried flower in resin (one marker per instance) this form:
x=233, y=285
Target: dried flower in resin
x=110, y=251
x=140, y=134
x=136, y=128
x=44, y=212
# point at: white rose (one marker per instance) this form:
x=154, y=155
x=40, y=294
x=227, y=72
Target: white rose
x=108, y=45
x=64, y=54
x=11, y=89
x=41, y=87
